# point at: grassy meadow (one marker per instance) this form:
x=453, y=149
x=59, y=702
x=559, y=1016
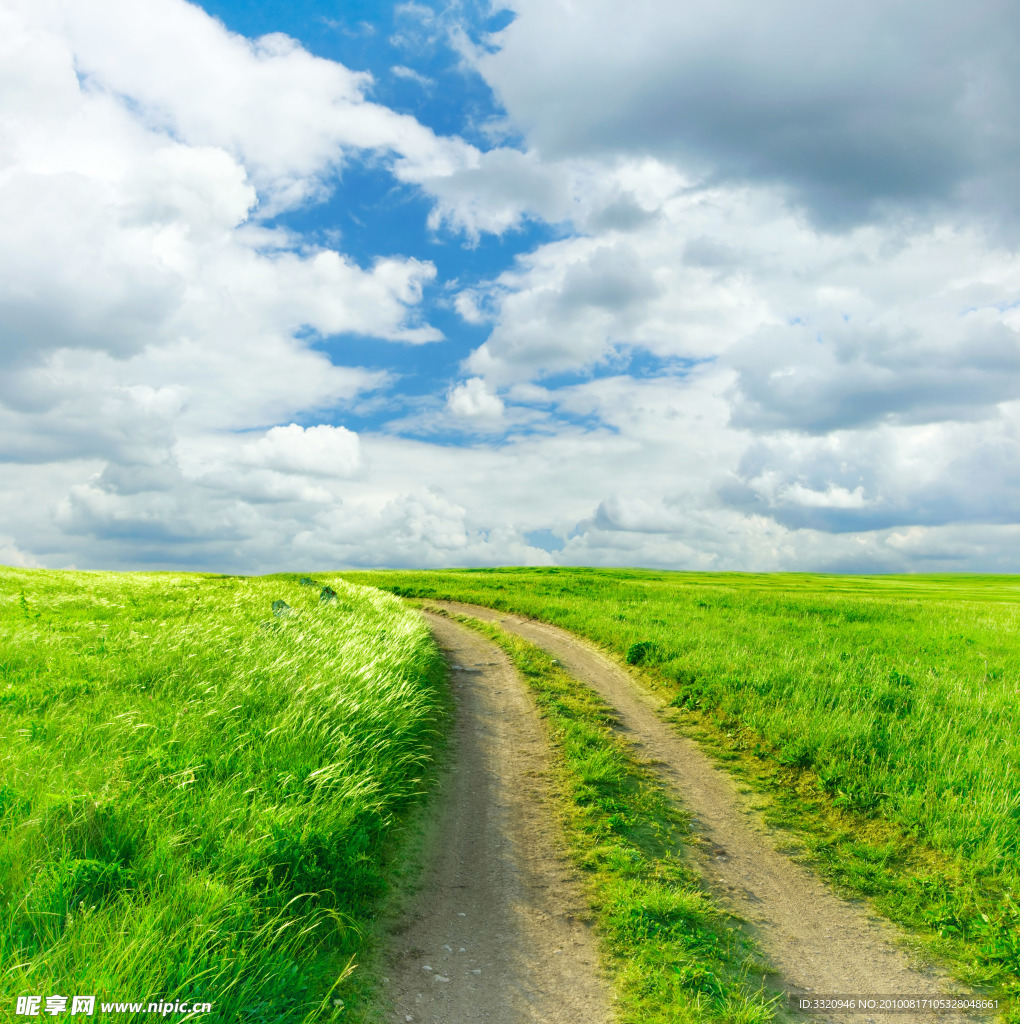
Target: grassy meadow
x=879, y=713
x=198, y=790
x=202, y=777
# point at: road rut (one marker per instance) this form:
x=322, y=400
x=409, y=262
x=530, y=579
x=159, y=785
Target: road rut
x=497, y=932
x=819, y=943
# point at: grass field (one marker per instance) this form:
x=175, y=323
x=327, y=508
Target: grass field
x=197, y=791
x=881, y=714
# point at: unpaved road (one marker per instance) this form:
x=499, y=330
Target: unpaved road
x=496, y=934
x=819, y=943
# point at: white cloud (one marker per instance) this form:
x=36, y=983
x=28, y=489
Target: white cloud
x=748, y=389
x=833, y=496
x=290, y=117
x=11, y=554
x=498, y=190
x=822, y=331
x=319, y=451
x=410, y=75
x=848, y=108
x=494, y=192
x=811, y=384
x=473, y=400
x=647, y=488
x=127, y=268
x=571, y=304
x=146, y=322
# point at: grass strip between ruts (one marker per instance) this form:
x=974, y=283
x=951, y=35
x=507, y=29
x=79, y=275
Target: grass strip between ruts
x=672, y=956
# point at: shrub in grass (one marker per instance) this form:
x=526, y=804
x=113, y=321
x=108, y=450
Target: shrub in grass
x=642, y=652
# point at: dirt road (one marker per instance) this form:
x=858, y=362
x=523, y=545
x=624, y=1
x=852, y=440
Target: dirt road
x=819, y=943
x=497, y=932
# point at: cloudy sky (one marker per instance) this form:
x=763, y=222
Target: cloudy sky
x=294, y=284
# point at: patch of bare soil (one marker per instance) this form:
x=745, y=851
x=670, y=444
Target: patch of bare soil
x=819, y=943
x=497, y=932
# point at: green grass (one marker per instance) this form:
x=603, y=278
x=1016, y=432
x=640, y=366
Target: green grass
x=197, y=795
x=673, y=958
x=881, y=713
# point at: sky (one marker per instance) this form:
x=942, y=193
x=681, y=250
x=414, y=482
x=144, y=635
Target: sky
x=297, y=284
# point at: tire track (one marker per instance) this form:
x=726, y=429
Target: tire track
x=496, y=933
x=819, y=943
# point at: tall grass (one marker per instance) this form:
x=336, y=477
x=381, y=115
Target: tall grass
x=196, y=793
x=885, y=710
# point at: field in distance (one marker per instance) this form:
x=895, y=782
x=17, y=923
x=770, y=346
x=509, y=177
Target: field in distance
x=880, y=714
x=198, y=782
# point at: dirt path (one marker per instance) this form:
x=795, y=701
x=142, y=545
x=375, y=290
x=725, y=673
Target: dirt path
x=497, y=932
x=819, y=943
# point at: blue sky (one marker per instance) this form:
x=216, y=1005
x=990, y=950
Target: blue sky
x=291, y=285
x=375, y=215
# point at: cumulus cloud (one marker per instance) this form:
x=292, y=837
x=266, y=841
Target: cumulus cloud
x=121, y=225
x=497, y=190
x=819, y=378
x=822, y=332
x=473, y=400
x=570, y=305
x=11, y=554
x=289, y=117
x=770, y=323
x=848, y=108
x=835, y=385
x=137, y=302
x=146, y=317
x=889, y=476
x=319, y=451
